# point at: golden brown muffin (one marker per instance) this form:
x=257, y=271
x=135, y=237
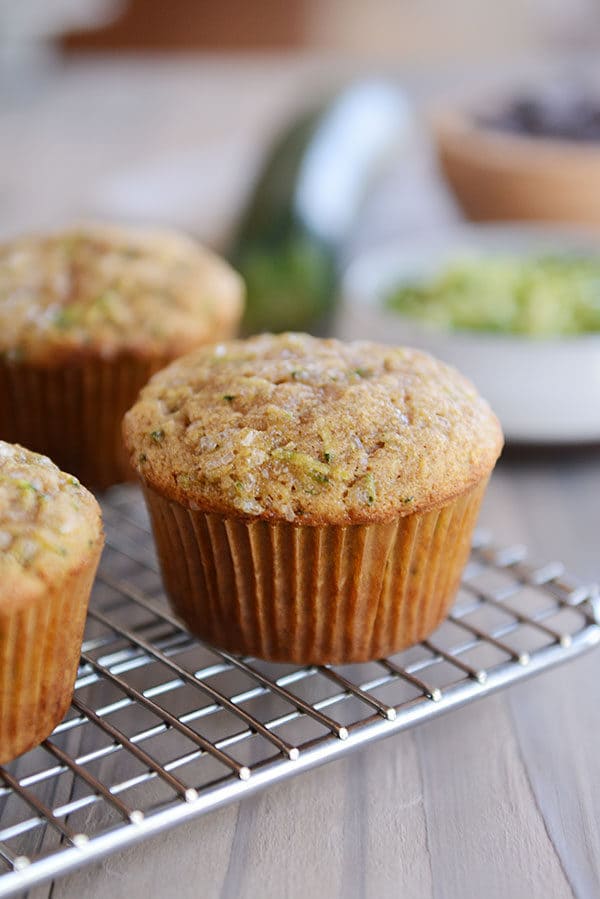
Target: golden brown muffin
x=312, y=501
x=86, y=316
x=50, y=543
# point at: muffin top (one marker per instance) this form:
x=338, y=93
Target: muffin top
x=312, y=431
x=49, y=523
x=104, y=289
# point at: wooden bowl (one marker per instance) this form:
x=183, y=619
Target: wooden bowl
x=498, y=175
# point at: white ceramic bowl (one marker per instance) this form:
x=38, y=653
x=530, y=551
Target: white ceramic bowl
x=544, y=390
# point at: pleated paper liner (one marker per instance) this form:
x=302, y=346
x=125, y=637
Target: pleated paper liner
x=40, y=646
x=73, y=412
x=313, y=595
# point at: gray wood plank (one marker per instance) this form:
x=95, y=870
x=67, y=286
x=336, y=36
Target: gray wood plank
x=485, y=835
x=563, y=766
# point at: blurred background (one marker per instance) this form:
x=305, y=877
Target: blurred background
x=141, y=108
x=298, y=137
x=429, y=30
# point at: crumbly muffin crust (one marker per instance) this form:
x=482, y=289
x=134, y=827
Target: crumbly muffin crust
x=311, y=431
x=108, y=289
x=50, y=524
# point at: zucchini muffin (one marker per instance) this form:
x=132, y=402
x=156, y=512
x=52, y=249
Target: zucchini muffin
x=86, y=316
x=50, y=543
x=312, y=501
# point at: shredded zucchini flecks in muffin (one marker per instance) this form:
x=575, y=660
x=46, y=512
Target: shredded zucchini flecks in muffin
x=112, y=288
x=48, y=520
x=313, y=431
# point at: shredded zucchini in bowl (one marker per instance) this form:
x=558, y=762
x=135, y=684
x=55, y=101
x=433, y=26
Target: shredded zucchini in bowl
x=536, y=296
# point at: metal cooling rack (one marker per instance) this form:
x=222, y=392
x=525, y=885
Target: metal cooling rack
x=163, y=728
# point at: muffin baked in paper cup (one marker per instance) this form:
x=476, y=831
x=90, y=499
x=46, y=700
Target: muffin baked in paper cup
x=73, y=412
x=40, y=645
x=50, y=544
x=86, y=317
x=311, y=501
x=313, y=595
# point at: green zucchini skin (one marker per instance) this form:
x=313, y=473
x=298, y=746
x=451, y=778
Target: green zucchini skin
x=290, y=272
x=289, y=241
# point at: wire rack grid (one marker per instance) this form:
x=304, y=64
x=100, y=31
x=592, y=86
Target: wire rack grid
x=163, y=728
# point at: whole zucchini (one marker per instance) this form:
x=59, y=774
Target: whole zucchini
x=289, y=240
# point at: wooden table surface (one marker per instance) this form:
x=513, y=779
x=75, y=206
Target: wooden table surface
x=500, y=799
